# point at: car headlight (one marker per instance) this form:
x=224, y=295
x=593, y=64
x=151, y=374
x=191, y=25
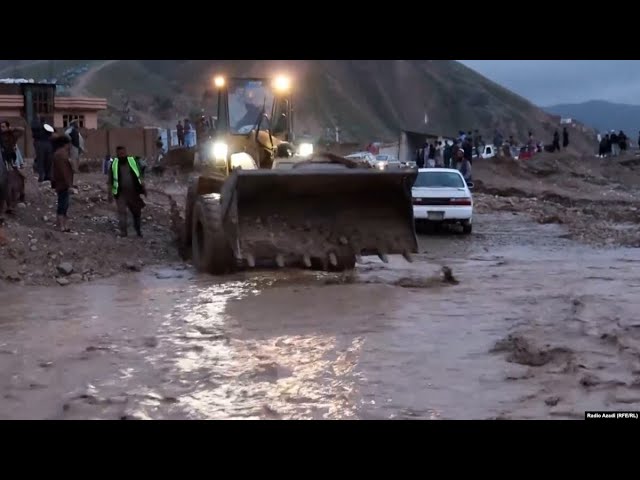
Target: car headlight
x=220, y=151
x=305, y=149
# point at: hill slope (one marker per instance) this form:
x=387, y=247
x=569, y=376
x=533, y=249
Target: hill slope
x=602, y=115
x=367, y=99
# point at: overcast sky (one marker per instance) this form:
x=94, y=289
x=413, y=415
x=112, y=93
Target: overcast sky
x=548, y=82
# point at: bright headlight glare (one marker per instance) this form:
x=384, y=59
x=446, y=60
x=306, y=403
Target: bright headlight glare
x=305, y=149
x=220, y=151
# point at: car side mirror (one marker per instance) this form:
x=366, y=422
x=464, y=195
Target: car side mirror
x=470, y=185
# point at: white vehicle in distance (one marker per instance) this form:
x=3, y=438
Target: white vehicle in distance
x=387, y=161
x=363, y=157
x=441, y=196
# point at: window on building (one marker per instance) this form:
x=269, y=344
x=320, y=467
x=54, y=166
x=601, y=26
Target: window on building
x=68, y=118
x=42, y=98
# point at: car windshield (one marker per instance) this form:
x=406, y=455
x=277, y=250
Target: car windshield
x=439, y=180
x=246, y=100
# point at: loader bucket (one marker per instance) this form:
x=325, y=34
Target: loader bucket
x=325, y=217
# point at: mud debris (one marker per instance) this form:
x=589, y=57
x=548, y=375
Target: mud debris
x=595, y=199
x=29, y=237
x=519, y=350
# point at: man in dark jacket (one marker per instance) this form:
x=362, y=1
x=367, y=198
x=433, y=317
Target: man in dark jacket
x=615, y=146
x=556, y=142
x=62, y=177
x=44, y=151
x=622, y=141
x=565, y=137
x=467, y=148
x=447, y=154
x=74, y=134
x=125, y=185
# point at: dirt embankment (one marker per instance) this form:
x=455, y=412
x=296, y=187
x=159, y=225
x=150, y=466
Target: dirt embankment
x=33, y=252
x=596, y=198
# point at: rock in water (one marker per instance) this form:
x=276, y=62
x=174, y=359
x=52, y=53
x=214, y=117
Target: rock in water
x=65, y=268
x=62, y=281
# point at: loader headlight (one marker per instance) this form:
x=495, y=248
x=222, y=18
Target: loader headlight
x=220, y=151
x=305, y=149
x=382, y=165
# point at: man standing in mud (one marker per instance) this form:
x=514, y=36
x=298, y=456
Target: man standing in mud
x=125, y=185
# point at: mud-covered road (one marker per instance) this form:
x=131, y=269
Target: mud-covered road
x=537, y=327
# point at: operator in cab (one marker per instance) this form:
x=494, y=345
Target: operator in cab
x=253, y=103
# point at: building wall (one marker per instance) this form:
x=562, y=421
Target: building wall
x=6, y=113
x=99, y=143
x=12, y=105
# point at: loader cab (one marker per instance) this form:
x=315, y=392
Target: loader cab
x=254, y=116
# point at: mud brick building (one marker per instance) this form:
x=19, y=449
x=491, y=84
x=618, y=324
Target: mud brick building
x=23, y=99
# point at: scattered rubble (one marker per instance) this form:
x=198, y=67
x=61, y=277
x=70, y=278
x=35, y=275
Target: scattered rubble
x=33, y=252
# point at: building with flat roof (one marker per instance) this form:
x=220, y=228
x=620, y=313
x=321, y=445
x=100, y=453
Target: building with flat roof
x=26, y=99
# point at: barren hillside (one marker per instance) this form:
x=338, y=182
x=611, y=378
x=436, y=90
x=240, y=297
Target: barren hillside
x=367, y=99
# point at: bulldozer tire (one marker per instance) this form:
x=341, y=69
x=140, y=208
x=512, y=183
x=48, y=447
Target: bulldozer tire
x=192, y=194
x=210, y=249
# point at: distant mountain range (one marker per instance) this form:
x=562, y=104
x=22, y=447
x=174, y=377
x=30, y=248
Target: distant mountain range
x=602, y=115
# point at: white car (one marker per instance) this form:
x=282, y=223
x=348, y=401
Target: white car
x=385, y=162
x=363, y=157
x=441, y=195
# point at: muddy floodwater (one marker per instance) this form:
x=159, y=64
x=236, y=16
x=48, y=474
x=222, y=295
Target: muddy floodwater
x=537, y=327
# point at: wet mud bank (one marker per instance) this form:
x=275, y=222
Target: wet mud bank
x=596, y=199
x=34, y=252
x=535, y=326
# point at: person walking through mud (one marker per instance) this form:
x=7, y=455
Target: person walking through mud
x=465, y=169
x=62, y=178
x=565, y=137
x=125, y=185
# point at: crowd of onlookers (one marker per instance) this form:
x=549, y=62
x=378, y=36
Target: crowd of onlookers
x=613, y=144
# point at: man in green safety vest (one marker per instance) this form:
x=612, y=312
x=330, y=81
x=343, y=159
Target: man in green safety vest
x=126, y=186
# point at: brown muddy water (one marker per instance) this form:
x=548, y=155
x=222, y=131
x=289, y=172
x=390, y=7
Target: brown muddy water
x=537, y=327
